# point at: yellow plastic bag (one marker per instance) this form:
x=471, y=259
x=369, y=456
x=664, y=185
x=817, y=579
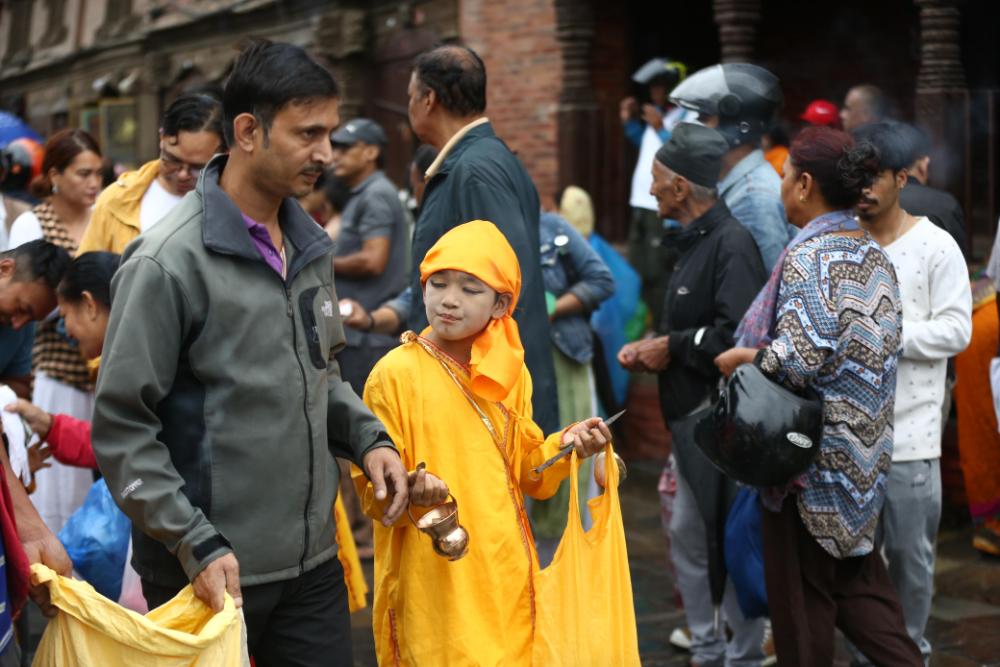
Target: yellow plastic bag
x=92, y=631
x=347, y=554
x=583, y=600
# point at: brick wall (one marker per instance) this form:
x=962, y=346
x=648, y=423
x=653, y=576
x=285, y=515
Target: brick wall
x=517, y=41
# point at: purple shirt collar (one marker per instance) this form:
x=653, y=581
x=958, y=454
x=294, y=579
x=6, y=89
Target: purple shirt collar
x=262, y=241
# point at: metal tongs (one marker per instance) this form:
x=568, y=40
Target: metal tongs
x=564, y=452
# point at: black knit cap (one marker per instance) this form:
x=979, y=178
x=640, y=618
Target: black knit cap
x=695, y=152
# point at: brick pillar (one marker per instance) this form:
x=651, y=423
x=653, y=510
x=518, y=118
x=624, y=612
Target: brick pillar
x=524, y=72
x=942, y=104
x=578, y=114
x=737, y=21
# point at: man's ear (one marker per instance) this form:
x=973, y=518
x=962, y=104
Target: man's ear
x=901, y=177
x=7, y=266
x=501, y=305
x=680, y=188
x=429, y=99
x=245, y=127
x=371, y=152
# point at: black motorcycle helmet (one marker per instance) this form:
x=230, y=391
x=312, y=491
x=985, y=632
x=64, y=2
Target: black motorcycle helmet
x=760, y=433
x=745, y=98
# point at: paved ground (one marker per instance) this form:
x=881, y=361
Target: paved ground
x=964, y=628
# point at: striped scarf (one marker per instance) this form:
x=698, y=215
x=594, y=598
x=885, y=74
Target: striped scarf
x=757, y=323
x=53, y=353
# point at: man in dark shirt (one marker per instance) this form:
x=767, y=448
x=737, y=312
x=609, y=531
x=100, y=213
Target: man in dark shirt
x=369, y=264
x=918, y=198
x=717, y=276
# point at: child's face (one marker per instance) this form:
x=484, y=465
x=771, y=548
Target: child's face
x=459, y=305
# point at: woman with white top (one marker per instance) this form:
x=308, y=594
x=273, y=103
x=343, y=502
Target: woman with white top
x=68, y=186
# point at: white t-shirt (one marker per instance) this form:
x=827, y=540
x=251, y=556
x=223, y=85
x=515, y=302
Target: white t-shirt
x=26, y=228
x=642, y=176
x=3, y=225
x=155, y=205
x=937, y=324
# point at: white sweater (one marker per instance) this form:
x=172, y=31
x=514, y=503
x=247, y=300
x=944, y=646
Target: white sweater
x=937, y=324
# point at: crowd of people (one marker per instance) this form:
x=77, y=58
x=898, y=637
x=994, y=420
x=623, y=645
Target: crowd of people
x=259, y=325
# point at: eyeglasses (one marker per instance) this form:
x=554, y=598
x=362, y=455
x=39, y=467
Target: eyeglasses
x=173, y=164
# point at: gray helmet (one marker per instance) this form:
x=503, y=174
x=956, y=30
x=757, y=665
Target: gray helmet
x=760, y=433
x=746, y=99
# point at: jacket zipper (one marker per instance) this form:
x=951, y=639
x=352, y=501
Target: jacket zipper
x=305, y=410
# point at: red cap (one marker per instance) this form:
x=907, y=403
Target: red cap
x=821, y=112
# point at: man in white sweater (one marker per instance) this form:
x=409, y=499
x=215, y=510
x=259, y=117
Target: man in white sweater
x=937, y=324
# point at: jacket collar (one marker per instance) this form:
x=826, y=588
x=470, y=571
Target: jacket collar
x=129, y=190
x=753, y=160
x=703, y=225
x=451, y=151
x=224, y=231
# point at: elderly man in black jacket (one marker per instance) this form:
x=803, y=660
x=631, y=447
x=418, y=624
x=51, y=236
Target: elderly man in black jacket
x=717, y=276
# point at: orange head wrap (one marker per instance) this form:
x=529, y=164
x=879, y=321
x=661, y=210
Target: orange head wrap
x=480, y=249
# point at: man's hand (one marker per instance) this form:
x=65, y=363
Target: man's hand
x=222, y=575
x=654, y=354
x=38, y=420
x=389, y=479
x=628, y=356
x=652, y=116
x=728, y=361
x=354, y=315
x=649, y=355
x=628, y=108
x=45, y=548
x=426, y=490
x=588, y=437
x=38, y=456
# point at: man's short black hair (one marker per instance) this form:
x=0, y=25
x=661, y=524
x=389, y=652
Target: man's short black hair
x=38, y=260
x=890, y=142
x=917, y=142
x=457, y=76
x=266, y=77
x=194, y=112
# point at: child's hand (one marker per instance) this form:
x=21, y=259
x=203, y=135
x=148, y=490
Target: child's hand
x=426, y=490
x=588, y=437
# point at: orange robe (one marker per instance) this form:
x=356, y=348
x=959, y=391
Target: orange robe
x=479, y=610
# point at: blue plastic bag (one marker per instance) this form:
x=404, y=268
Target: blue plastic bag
x=96, y=538
x=744, y=551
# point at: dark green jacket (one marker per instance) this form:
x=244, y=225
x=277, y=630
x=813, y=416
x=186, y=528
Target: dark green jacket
x=220, y=406
x=481, y=179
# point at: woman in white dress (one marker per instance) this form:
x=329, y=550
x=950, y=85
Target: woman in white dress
x=68, y=186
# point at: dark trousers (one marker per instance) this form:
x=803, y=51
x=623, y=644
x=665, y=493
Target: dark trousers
x=809, y=592
x=301, y=622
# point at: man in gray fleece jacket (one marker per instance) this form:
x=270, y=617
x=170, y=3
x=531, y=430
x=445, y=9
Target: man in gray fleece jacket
x=220, y=406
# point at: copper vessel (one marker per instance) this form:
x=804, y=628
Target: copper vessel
x=448, y=537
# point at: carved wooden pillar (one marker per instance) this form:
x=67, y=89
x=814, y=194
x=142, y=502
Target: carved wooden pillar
x=942, y=104
x=737, y=21
x=577, y=114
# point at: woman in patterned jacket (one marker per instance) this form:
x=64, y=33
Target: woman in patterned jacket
x=829, y=319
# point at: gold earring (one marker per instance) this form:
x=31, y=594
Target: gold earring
x=802, y=199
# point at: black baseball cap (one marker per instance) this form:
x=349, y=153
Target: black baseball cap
x=359, y=129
